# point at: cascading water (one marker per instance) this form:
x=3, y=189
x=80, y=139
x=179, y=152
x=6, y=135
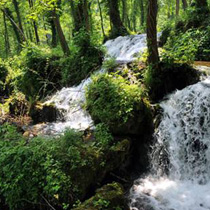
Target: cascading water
x=70, y=100
x=180, y=159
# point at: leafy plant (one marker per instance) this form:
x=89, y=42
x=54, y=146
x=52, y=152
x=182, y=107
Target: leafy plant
x=111, y=99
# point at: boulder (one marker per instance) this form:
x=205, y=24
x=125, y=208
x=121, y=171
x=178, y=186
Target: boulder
x=41, y=112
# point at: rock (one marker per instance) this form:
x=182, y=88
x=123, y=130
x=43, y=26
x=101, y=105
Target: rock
x=40, y=112
x=109, y=197
x=170, y=77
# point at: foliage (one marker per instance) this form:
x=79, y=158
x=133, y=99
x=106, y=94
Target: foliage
x=103, y=136
x=111, y=99
x=40, y=73
x=60, y=169
x=84, y=59
x=187, y=47
x=108, y=197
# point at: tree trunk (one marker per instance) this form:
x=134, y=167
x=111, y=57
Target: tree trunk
x=6, y=37
x=54, y=34
x=16, y=5
x=34, y=23
x=153, y=57
x=102, y=20
x=177, y=7
x=80, y=15
x=117, y=26
x=185, y=4
x=18, y=33
x=61, y=36
x=142, y=12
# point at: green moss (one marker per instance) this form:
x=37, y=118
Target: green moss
x=115, y=101
x=109, y=197
x=169, y=77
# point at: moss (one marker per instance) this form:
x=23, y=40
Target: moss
x=168, y=78
x=117, y=102
x=109, y=197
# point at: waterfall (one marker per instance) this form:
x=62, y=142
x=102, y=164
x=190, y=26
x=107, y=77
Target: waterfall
x=70, y=100
x=180, y=158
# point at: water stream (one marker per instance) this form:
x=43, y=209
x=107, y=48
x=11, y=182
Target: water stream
x=70, y=100
x=180, y=159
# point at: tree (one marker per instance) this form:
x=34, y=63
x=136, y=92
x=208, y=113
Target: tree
x=31, y=4
x=61, y=35
x=153, y=57
x=142, y=11
x=118, y=29
x=16, y=5
x=177, y=7
x=80, y=14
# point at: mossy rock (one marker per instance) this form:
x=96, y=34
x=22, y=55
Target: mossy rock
x=168, y=78
x=109, y=197
x=40, y=112
x=114, y=101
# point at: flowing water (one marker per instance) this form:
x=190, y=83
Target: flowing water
x=70, y=100
x=180, y=158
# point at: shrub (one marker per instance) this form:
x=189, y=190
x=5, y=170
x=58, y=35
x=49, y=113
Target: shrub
x=115, y=101
x=40, y=73
x=111, y=99
x=55, y=170
x=84, y=59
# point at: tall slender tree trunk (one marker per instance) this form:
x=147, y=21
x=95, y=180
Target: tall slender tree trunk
x=153, y=57
x=6, y=37
x=80, y=14
x=102, y=20
x=142, y=12
x=16, y=5
x=117, y=26
x=31, y=4
x=54, y=34
x=177, y=7
x=18, y=33
x=61, y=36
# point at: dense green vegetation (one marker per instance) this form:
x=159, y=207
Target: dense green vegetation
x=50, y=44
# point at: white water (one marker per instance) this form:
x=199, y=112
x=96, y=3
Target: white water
x=70, y=100
x=180, y=159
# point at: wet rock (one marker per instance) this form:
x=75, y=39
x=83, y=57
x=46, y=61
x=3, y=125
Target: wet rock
x=170, y=77
x=40, y=112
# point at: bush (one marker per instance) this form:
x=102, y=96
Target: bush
x=84, y=59
x=111, y=99
x=40, y=73
x=59, y=171
x=114, y=101
x=109, y=197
